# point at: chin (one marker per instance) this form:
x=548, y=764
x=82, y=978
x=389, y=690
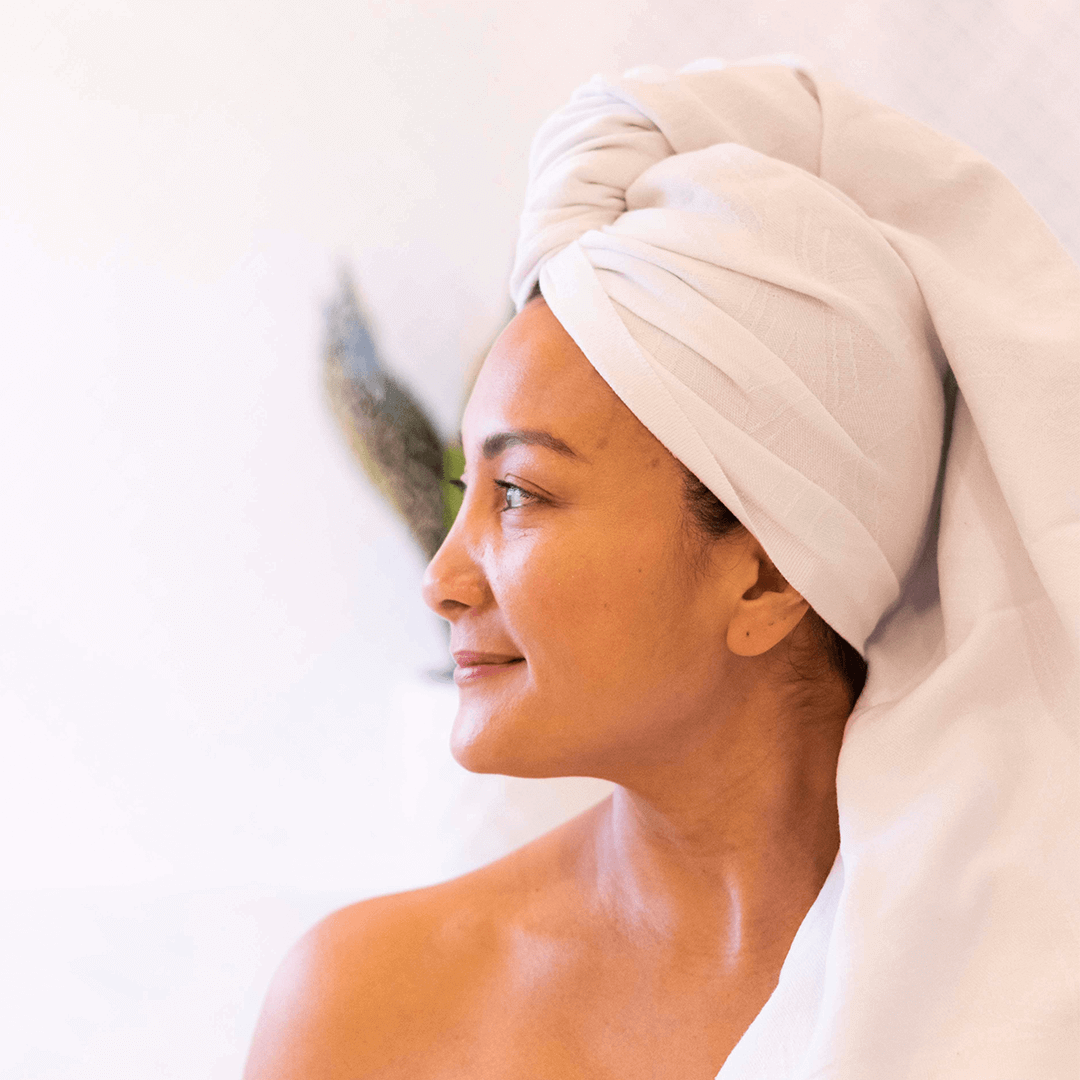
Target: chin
x=485, y=743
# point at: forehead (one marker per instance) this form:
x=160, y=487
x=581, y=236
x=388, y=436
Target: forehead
x=536, y=377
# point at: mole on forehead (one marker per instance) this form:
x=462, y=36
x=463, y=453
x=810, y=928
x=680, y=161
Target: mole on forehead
x=499, y=441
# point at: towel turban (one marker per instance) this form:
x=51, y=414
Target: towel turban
x=865, y=342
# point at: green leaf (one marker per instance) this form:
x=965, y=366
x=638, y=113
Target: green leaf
x=453, y=467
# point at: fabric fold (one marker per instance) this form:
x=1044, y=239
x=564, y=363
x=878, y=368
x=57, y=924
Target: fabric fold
x=780, y=278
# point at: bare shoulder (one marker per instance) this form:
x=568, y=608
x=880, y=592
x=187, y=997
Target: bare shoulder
x=382, y=987
x=364, y=986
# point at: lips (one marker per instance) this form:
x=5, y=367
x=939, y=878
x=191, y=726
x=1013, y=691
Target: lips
x=472, y=666
x=463, y=658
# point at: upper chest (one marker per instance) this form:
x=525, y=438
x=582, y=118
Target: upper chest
x=541, y=1007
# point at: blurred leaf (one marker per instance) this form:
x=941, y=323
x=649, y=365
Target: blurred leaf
x=453, y=467
x=388, y=431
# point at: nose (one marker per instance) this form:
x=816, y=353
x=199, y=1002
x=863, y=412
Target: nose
x=454, y=581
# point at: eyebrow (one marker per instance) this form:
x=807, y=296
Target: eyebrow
x=495, y=444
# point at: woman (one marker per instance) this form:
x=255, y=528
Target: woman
x=713, y=465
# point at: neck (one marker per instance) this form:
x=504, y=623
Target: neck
x=723, y=849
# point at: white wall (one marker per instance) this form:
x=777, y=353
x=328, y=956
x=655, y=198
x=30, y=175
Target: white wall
x=216, y=724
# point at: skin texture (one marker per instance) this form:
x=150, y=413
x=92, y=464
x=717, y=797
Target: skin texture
x=641, y=938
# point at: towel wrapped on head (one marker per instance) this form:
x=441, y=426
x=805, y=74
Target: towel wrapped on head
x=778, y=277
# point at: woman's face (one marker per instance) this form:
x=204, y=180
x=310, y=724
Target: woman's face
x=587, y=637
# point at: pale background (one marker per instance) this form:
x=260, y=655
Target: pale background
x=216, y=720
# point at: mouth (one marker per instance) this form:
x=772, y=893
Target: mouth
x=476, y=665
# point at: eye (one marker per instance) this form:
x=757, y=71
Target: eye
x=515, y=497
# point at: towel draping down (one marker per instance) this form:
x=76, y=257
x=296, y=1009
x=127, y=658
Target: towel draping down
x=806, y=297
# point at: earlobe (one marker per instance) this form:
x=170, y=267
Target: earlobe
x=766, y=612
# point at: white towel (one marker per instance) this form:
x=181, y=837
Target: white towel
x=778, y=276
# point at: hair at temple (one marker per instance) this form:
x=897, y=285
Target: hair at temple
x=715, y=520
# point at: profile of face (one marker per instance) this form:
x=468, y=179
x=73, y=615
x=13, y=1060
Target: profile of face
x=595, y=632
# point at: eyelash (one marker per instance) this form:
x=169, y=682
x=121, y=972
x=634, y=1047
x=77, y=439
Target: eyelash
x=507, y=487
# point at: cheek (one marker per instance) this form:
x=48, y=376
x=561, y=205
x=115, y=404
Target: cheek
x=604, y=616
x=615, y=641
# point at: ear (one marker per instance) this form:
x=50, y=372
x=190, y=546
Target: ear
x=767, y=611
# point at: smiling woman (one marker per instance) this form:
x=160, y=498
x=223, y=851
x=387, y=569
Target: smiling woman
x=597, y=633
x=755, y=285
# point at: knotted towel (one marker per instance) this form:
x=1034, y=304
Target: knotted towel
x=860, y=336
